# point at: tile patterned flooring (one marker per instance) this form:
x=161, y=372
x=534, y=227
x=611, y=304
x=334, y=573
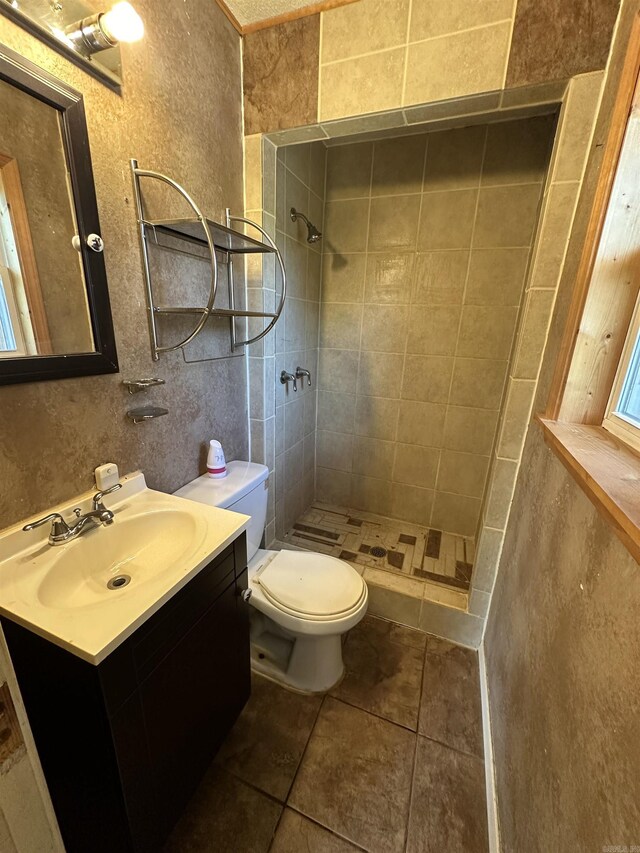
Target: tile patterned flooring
x=389, y=762
x=411, y=550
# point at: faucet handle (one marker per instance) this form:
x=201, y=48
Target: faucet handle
x=301, y=372
x=59, y=525
x=97, y=498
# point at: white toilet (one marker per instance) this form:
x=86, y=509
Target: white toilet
x=303, y=602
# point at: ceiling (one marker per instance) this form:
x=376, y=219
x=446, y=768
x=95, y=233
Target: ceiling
x=250, y=14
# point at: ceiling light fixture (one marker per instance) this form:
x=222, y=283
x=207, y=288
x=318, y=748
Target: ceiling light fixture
x=106, y=29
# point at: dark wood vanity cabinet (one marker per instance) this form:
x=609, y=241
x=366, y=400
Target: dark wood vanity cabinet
x=124, y=744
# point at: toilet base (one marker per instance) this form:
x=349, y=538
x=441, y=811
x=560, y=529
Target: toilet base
x=308, y=664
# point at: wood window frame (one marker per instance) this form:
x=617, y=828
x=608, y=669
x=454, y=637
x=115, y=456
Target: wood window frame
x=26, y=253
x=600, y=315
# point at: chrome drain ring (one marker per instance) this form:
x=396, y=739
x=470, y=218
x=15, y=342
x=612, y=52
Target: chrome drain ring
x=119, y=581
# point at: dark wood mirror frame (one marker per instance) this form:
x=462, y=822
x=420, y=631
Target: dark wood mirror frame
x=19, y=72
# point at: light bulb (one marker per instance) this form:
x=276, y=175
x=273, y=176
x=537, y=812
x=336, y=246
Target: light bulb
x=122, y=23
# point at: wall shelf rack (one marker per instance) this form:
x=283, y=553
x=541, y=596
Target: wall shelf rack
x=203, y=233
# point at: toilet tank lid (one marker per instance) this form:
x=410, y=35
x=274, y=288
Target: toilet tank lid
x=242, y=478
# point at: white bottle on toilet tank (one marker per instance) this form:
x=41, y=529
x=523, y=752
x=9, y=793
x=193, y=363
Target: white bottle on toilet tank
x=216, y=464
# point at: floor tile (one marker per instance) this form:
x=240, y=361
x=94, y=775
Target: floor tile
x=266, y=744
x=383, y=664
x=406, y=549
x=450, y=709
x=227, y=816
x=296, y=834
x=355, y=778
x=448, y=803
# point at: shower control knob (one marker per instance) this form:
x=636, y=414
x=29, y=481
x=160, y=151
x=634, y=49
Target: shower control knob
x=246, y=594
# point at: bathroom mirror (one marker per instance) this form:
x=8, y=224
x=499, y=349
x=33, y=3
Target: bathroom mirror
x=55, y=318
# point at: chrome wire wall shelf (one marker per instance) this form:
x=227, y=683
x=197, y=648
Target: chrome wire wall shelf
x=215, y=239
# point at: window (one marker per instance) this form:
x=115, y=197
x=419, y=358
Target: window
x=592, y=420
x=623, y=410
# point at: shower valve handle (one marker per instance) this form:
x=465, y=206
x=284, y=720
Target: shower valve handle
x=285, y=378
x=300, y=372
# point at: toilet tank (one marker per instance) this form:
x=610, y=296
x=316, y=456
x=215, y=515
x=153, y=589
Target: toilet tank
x=245, y=489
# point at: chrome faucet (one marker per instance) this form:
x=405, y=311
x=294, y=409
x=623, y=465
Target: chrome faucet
x=300, y=372
x=62, y=532
x=285, y=378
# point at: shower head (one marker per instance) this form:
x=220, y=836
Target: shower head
x=313, y=234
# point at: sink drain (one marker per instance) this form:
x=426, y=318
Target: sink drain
x=118, y=582
x=377, y=551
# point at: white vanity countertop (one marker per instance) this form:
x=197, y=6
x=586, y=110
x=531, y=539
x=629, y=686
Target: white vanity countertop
x=161, y=541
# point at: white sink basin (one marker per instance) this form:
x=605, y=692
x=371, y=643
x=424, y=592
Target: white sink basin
x=91, y=593
x=136, y=548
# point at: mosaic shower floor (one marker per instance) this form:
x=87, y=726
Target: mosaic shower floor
x=371, y=541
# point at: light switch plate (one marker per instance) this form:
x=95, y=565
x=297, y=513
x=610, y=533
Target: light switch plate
x=107, y=475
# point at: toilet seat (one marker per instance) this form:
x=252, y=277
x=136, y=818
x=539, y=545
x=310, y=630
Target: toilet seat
x=311, y=586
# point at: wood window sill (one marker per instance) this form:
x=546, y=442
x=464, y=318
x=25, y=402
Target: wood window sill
x=605, y=469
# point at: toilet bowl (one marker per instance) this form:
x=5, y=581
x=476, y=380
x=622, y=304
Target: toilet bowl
x=302, y=602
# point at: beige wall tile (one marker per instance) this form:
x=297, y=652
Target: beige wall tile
x=440, y=277
x=253, y=171
x=451, y=624
x=349, y=171
x=443, y=68
x=343, y=277
x=446, y=220
x=334, y=450
x=295, y=259
x=433, y=330
x=371, y=495
x=421, y=423
x=338, y=370
x=373, y=457
x=496, y=276
x=462, y=473
x=455, y=513
x=478, y=382
x=376, y=417
x=345, y=226
x=340, y=324
x=411, y=503
x=576, y=124
x=389, y=277
x=391, y=604
x=314, y=276
x=486, y=332
x=487, y=556
x=431, y=18
x=516, y=418
x=393, y=223
x=427, y=378
x=416, y=466
x=493, y=228
x=384, y=328
x=533, y=333
x=367, y=84
x=333, y=487
x=317, y=168
x=297, y=160
x=518, y=151
x=336, y=411
x=503, y=481
x=557, y=216
x=380, y=374
x=398, y=165
x=470, y=430
x=454, y=159
x=363, y=27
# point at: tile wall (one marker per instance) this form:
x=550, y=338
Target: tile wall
x=377, y=55
x=423, y=275
x=283, y=421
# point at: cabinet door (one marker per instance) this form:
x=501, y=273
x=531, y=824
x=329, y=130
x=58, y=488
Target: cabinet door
x=190, y=702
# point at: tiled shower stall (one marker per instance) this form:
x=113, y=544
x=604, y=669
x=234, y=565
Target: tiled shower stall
x=422, y=319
